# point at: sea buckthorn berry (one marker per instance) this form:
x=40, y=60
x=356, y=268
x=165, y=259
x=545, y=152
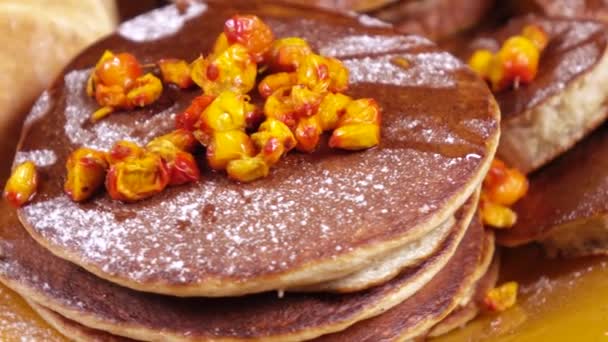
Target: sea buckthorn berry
x=308, y=133
x=313, y=72
x=480, y=62
x=501, y=298
x=146, y=90
x=305, y=101
x=183, y=169
x=366, y=111
x=338, y=75
x=110, y=96
x=22, y=184
x=251, y=32
x=537, y=35
x=93, y=78
x=331, y=109
x=273, y=140
x=355, y=136
x=274, y=82
x=180, y=138
x=101, y=113
x=188, y=118
x=118, y=70
x=232, y=70
x=279, y=106
x=286, y=53
x=226, y=146
x=135, y=179
x=227, y=112
x=254, y=116
x=497, y=215
x=247, y=169
x=518, y=59
x=221, y=44
x=176, y=71
x=86, y=170
x=504, y=185
x=123, y=150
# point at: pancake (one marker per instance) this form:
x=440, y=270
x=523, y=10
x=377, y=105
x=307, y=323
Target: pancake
x=589, y=9
x=381, y=271
x=436, y=19
x=220, y=238
x=76, y=332
x=345, y=5
x=564, y=103
x=80, y=296
x=426, y=308
x=93, y=298
x=391, y=265
x=466, y=313
x=567, y=204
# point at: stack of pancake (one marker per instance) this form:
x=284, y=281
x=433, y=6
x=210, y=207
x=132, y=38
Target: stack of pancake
x=382, y=244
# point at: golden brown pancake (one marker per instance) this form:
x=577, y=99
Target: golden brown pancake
x=436, y=19
x=471, y=308
x=566, y=206
x=220, y=238
x=565, y=101
x=80, y=296
x=76, y=332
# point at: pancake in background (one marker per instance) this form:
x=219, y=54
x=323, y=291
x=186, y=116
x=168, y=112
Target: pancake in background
x=217, y=237
x=589, y=9
x=566, y=206
x=565, y=101
x=436, y=19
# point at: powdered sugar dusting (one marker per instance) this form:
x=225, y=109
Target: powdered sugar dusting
x=41, y=158
x=103, y=134
x=425, y=69
x=375, y=44
x=159, y=23
x=40, y=109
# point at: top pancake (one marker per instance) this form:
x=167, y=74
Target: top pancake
x=317, y=216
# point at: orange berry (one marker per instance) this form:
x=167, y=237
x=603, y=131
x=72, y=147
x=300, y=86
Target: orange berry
x=227, y=112
x=480, y=62
x=247, y=169
x=501, y=298
x=145, y=90
x=101, y=113
x=188, y=118
x=358, y=111
x=504, y=185
x=180, y=138
x=274, y=82
x=111, y=96
x=517, y=61
x=22, y=184
x=123, y=150
x=119, y=70
x=175, y=71
x=286, y=53
x=537, y=35
x=331, y=109
x=135, y=179
x=251, y=32
x=305, y=101
x=226, y=146
x=279, y=106
x=231, y=70
x=273, y=140
x=497, y=215
x=308, y=133
x=357, y=136
x=86, y=171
